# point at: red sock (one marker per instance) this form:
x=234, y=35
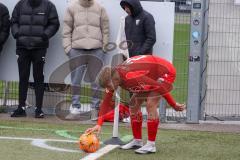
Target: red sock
x=136, y=122
x=152, y=126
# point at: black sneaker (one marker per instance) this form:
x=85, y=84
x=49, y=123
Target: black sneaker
x=39, y=113
x=19, y=112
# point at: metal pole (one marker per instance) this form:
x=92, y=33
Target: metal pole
x=196, y=57
x=204, y=61
x=6, y=92
x=162, y=111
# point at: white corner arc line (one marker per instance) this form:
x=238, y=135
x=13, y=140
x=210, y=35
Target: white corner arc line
x=42, y=144
x=31, y=139
x=100, y=153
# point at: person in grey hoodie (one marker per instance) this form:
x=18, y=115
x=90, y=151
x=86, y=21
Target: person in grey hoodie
x=85, y=35
x=139, y=28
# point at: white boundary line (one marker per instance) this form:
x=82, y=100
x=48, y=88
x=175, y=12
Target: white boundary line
x=41, y=143
x=100, y=153
x=38, y=142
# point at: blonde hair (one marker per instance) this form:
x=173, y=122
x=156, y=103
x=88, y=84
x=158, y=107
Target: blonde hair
x=105, y=76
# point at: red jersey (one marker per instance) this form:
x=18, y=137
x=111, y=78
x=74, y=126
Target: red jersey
x=141, y=74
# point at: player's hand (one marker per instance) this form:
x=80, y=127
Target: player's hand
x=96, y=128
x=180, y=107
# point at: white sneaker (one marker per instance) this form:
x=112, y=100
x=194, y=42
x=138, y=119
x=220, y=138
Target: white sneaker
x=136, y=143
x=149, y=147
x=126, y=120
x=94, y=114
x=74, y=110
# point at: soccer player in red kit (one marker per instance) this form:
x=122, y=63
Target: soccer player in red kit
x=149, y=78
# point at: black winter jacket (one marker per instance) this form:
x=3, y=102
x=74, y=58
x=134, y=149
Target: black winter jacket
x=34, y=22
x=4, y=25
x=139, y=29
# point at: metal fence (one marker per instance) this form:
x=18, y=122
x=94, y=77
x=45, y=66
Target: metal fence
x=223, y=73
x=180, y=61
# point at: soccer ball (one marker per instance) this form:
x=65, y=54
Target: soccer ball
x=89, y=142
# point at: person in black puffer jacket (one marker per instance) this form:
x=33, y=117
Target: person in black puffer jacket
x=139, y=28
x=33, y=23
x=4, y=25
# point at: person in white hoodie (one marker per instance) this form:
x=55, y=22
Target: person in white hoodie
x=85, y=35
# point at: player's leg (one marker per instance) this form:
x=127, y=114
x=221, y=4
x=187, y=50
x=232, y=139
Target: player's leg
x=152, y=124
x=24, y=64
x=95, y=62
x=38, y=60
x=136, y=122
x=77, y=65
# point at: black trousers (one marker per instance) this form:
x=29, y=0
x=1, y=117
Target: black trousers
x=36, y=57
